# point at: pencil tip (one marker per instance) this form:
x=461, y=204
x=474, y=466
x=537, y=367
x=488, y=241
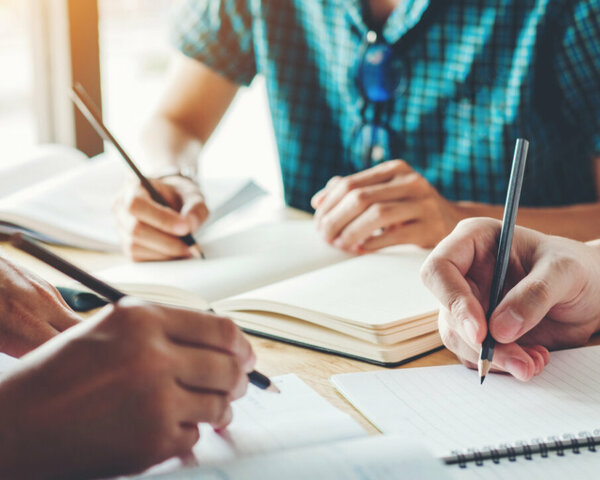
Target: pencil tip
x=273, y=388
x=481, y=380
x=197, y=251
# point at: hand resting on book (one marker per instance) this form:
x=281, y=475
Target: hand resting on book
x=150, y=231
x=31, y=311
x=552, y=297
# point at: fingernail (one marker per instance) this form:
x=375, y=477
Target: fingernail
x=470, y=328
x=517, y=368
x=507, y=325
x=181, y=228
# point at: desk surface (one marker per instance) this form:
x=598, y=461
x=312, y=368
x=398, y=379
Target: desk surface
x=274, y=358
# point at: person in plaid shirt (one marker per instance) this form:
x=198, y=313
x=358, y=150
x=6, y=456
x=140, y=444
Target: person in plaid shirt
x=394, y=119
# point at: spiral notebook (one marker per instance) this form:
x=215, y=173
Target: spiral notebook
x=548, y=426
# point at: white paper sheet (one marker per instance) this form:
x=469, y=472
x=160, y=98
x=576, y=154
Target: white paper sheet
x=447, y=409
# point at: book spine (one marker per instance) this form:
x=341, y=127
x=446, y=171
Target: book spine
x=526, y=450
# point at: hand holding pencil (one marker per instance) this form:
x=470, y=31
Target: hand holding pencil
x=158, y=217
x=149, y=231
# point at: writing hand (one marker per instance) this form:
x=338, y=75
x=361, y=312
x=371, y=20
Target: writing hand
x=31, y=311
x=120, y=392
x=385, y=205
x=150, y=231
x=552, y=297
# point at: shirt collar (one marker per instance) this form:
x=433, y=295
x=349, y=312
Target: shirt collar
x=404, y=17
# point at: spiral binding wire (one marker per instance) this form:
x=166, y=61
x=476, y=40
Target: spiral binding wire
x=527, y=450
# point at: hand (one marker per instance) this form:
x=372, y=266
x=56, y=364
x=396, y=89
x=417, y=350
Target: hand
x=31, y=311
x=150, y=231
x=385, y=205
x=552, y=297
x=120, y=392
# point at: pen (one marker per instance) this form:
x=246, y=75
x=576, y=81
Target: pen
x=506, y=235
x=18, y=240
x=86, y=106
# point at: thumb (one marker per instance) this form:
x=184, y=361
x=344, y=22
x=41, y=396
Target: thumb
x=528, y=302
x=194, y=211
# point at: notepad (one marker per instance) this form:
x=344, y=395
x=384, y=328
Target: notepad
x=447, y=409
x=303, y=436
x=281, y=280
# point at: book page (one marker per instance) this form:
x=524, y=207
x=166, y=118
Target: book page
x=38, y=164
x=375, y=290
x=74, y=207
x=234, y=263
x=448, y=409
x=373, y=458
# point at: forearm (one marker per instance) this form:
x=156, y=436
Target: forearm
x=579, y=222
x=167, y=145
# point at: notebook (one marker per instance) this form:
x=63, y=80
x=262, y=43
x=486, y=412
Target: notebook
x=296, y=434
x=282, y=281
x=504, y=428
x=62, y=197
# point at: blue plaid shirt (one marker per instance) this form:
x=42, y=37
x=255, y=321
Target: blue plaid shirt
x=474, y=76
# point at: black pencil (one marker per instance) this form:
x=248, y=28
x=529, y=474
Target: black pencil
x=506, y=235
x=20, y=241
x=89, y=110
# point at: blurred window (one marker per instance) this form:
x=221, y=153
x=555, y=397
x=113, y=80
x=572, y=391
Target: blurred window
x=17, y=120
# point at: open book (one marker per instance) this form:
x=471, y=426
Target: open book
x=281, y=280
x=60, y=196
x=297, y=435
x=546, y=428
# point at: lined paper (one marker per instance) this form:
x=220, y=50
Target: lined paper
x=446, y=408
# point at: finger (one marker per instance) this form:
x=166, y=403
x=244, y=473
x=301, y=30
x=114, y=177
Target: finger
x=379, y=174
x=399, y=234
x=194, y=211
x=65, y=320
x=377, y=216
x=188, y=437
x=202, y=329
x=318, y=197
x=152, y=239
x=162, y=218
x=204, y=407
x=445, y=270
x=511, y=358
x=63, y=317
x=538, y=358
x=139, y=253
x=211, y=370
x=528, y=302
